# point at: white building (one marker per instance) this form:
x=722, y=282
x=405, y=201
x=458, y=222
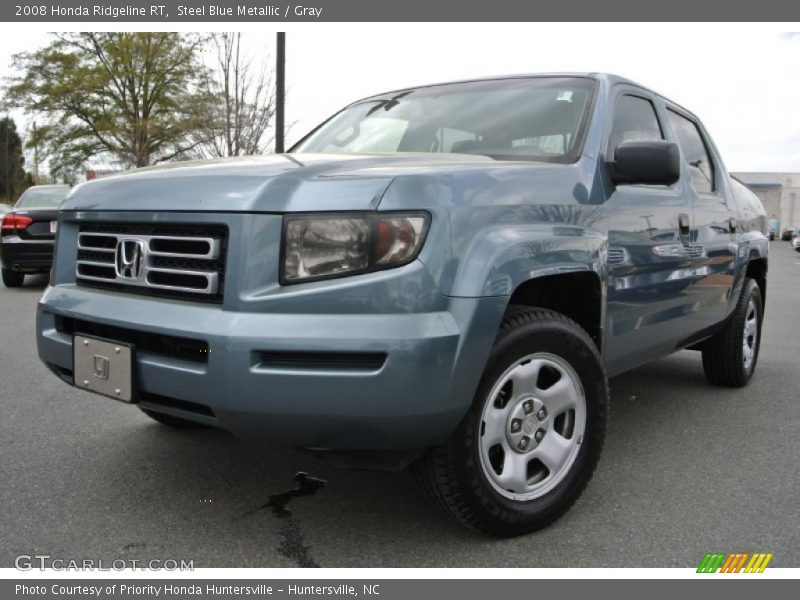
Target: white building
x=780, y=194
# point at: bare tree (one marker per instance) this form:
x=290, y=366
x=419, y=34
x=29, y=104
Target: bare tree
x=242, y=96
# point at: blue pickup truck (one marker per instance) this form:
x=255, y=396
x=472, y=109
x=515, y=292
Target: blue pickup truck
x=443, y=277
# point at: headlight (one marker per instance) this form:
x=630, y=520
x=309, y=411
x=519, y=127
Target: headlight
x=321, y=246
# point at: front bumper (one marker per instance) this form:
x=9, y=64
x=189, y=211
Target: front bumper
x=411, y=399
x=25, y=256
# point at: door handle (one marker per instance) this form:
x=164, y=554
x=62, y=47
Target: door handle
x=684, y=227
x=733, y=224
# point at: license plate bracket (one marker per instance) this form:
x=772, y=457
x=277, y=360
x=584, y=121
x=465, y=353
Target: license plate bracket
x=104, y=367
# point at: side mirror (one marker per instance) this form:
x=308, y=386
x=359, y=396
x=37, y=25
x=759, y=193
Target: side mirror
x=652, y=162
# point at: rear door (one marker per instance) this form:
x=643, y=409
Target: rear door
x=716, y=229
x=649, y=263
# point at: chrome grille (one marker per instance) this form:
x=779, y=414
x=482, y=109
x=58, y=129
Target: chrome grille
x=695, y=251
x=167, y=260
x=617, y=255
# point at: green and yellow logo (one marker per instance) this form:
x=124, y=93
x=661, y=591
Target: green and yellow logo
x=734, y=562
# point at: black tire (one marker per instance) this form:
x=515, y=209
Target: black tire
x=723, y=354
x=171, y=421
x=12, y=279
x=452, y=474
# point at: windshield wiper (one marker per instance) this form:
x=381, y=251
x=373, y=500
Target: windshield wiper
x=387, y=105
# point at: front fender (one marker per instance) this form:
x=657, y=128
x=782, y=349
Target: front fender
x=500, y=258
x=501, y=223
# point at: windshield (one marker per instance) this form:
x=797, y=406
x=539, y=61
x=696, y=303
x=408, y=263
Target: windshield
x=43, y=197
x=539, y=118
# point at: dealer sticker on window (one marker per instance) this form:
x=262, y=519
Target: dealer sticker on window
x=564, y=96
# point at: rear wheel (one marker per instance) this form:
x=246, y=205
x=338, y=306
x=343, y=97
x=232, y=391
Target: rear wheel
x=12, y=279
x=171, y=421
x=729, y=358
x=533, y=436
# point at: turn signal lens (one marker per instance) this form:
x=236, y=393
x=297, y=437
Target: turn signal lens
x=396, y=239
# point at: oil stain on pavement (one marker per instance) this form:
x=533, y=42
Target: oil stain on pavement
x=293, y=544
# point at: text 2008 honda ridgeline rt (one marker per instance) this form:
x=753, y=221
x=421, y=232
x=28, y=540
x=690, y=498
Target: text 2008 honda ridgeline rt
x=444, y=276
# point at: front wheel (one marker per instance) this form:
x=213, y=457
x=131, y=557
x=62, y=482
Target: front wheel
x=533, y=436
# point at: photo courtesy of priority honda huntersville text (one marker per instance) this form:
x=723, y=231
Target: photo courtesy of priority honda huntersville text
x=441, y=277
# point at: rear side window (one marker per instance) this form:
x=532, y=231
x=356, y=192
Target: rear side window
x=694, y=151
x=635, y=119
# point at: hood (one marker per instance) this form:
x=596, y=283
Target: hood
x=273, y=183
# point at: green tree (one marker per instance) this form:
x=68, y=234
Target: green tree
x=13, y=179
x=130, y=98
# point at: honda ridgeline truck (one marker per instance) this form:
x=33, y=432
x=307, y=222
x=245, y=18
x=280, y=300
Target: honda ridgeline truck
x=444, y=277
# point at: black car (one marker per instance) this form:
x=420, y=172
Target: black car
x=27, y=233
x=787, y=234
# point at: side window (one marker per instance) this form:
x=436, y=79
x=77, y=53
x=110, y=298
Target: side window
x=634, y=119
x=694, y=152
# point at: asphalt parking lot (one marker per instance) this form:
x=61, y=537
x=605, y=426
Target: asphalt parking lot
x=687, y=468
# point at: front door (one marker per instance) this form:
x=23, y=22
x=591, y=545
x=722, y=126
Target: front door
x=649, y=251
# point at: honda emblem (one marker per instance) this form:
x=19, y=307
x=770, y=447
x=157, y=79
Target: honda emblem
x=100, y=367
x=131, y=254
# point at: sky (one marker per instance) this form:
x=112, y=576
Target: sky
x=742, y=80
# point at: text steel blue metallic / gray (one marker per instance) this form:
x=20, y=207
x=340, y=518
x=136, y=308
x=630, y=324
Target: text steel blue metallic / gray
x=444, y=275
